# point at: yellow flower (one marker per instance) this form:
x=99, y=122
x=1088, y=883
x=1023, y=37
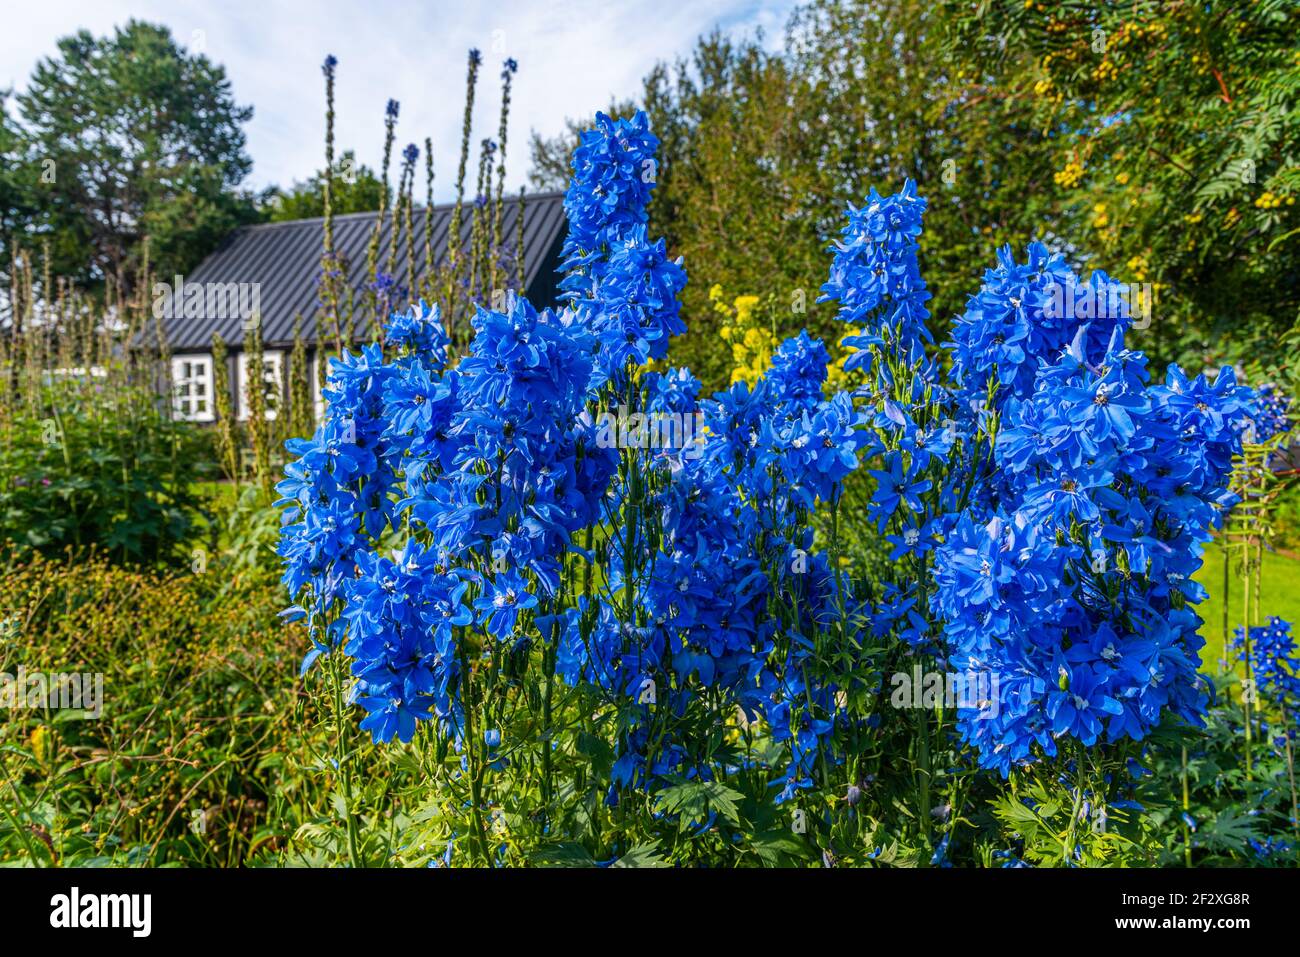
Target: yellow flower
x=1069, y=176
x=1106, y=70
x=1121, y=178
x=39, y=741
x=752, y=344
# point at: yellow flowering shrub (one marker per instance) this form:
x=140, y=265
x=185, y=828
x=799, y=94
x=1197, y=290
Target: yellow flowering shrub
x=1070, y=175
x=751, y=344
x=1270, y=200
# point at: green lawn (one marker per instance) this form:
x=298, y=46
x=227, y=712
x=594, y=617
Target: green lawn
x=1280, y=595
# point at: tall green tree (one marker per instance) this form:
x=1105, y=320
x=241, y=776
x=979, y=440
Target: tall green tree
x=1159, y=141
x=129, y=136
x=356, y=189
x=1176, y=147
x=761, y=151
x=17, y=194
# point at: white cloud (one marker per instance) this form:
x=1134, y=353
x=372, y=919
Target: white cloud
x=574, y=55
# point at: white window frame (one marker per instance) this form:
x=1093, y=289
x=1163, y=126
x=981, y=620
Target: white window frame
x=313, y=372
x=273, y=364
x=189, y=371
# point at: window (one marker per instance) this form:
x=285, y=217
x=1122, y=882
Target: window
x=192, y=388
x=271, y=383
x=313, y=373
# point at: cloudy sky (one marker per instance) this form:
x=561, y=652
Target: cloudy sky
x=573, y=56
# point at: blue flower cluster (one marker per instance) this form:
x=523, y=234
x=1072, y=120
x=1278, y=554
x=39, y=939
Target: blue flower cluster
x=480, y=473
x=1274, y=664
x=1274, y=416
x=1069, y=577
x=623, y=284
x=876, y=278
x=1019, y=318
x=1044, y=505
x=485, y=469
x=709, y=535
x=782, y=449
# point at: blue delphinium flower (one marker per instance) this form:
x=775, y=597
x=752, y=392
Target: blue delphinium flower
x=623, y=284
x=1100, y=491
x=1274, y=415
x=876, y=278
x=1274, y=664
x=503, y=599
x=420, y=333
x=399, y=611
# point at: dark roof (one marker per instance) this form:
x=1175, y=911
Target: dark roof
x=284, y=259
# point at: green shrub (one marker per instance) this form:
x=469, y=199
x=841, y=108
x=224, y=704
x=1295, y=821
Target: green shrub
x=93, y=465
x=193, y=758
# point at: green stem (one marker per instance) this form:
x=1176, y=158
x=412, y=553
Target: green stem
x=1187, y=831
x=923, y=717
x=475, y=771
x=340, y=758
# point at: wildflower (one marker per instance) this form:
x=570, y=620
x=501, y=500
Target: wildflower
x=504, y=597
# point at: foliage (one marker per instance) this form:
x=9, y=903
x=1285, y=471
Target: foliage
x=355, y=189
x=1176, y=143
x=196, y=754
x=131, y=136
x=225, y=443
x=92, y=465
x=1208, y=809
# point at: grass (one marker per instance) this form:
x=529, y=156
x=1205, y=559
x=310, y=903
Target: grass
x=1280, y=591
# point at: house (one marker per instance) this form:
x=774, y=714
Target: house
x=272, y=270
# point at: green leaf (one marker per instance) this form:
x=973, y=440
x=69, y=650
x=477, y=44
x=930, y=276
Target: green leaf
x=642, y=855
x=562, y=855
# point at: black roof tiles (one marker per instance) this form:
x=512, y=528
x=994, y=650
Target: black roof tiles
x=283, y=259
